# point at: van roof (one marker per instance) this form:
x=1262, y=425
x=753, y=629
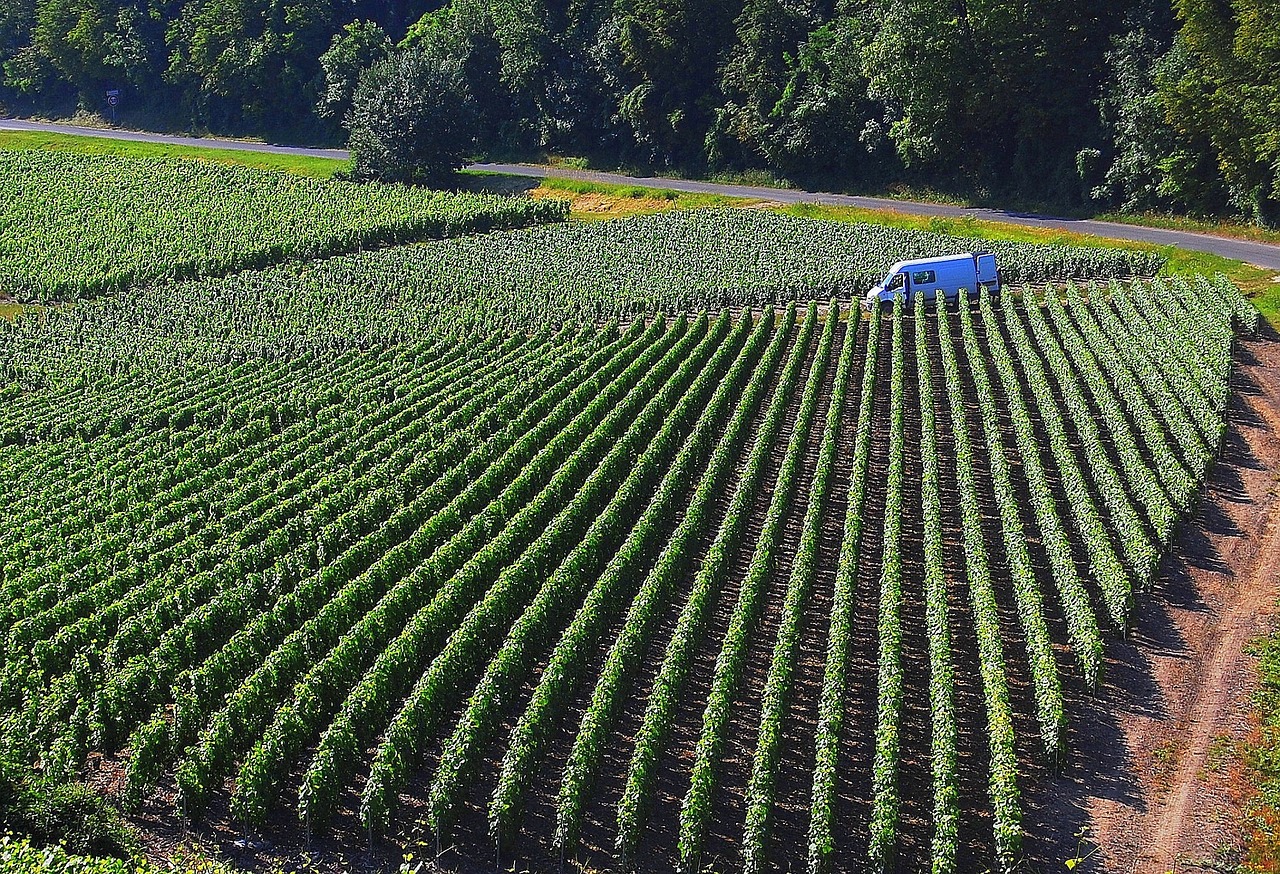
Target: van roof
x=922, y=262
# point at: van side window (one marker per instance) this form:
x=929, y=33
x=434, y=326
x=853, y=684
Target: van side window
x=924, y=277
x=899, y=280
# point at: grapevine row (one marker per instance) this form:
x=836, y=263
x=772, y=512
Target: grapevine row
x=677, y=659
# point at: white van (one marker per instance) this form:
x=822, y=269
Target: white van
x=928, y=276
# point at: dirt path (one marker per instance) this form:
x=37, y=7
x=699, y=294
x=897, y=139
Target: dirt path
x=1151, y=790
x=1169, y=830
x=1182, y=819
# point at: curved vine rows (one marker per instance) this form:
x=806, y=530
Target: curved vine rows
x=548, y=591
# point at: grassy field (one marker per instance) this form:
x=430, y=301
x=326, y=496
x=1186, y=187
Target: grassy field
x=317, y=168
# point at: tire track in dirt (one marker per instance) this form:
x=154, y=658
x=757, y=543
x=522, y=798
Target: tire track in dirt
x=1145, y=793
x=1229, y=659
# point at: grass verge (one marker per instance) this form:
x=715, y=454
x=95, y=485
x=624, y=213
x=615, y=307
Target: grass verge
x=595, y=201
x=1261, y=755
x=960, y=227
x=1219, y=227
x=754, y=177
x=318, y=168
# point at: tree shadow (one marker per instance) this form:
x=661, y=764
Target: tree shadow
x=1100, y=766
x=496, y=183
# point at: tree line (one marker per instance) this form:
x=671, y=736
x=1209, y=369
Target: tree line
x=1134, y=104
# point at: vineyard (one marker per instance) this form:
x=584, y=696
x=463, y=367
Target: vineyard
x=683, y=261
x=781, y=588
x=542, y=277
x=75, y=226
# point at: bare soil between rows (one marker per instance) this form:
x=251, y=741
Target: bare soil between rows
x=1146, y=787
x=1150, y=786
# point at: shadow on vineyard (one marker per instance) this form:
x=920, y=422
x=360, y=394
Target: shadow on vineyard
x=1127, y=740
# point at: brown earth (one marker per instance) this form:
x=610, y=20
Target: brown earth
x=595, y=205
x=1149, y=786
x=1152, y=789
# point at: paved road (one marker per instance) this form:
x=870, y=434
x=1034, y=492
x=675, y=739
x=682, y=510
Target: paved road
x=167, y=139
x=1261, y=254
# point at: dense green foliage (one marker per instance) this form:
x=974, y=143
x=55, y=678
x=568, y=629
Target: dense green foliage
x=20, y=856
x=547, y=275
x=228, y=64
x=411, y=119
x=52, y=811
x=299, y=165
x=993, y=97
x=1219, y=87
x=79, y=226
x=448, y=521
x=361, y=45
